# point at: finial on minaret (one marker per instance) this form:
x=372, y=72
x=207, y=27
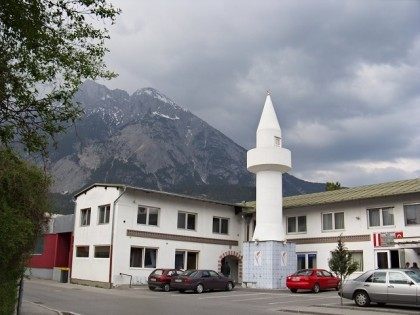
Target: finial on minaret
x=268, y=92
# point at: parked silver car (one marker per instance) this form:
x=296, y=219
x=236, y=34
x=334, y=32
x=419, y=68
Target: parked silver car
x=395, y=286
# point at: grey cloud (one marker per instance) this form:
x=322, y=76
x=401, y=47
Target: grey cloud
x=349, y=69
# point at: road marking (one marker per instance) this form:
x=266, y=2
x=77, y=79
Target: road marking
x=253, y=299
x=231, y=295
x=313, y=299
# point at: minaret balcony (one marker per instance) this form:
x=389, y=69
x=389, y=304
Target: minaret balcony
x=269, y=159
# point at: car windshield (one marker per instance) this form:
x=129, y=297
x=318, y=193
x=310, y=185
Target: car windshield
x=413, y=274
x=189, y=273
x=158, y=272
x=304, y=272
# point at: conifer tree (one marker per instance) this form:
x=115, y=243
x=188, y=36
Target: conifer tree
x=341, y=264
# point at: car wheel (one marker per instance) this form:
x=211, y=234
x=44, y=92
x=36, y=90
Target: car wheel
x=361, y=298
x=229, y=286
x=151, y=288
x=293, y=290
x=199, y=288
x=316, y=288
x=166, y=287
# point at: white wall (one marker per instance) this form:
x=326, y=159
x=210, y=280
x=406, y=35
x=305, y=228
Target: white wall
x=355, y=223
x=97, y=269
x=90, y=268
x=169, y=206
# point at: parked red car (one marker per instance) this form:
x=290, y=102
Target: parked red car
x=161, y=278
x=312, y=279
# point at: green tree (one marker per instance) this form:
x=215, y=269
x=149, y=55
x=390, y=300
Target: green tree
x=332, y=186
x=23, y=203
x=341, y=264
x=47, y=49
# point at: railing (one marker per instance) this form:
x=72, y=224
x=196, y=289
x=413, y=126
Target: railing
x=124, y=274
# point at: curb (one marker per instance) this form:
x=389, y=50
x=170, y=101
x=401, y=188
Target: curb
x=45, y=307
x=51, y=309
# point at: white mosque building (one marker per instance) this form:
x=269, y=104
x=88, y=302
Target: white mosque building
x=123, y=232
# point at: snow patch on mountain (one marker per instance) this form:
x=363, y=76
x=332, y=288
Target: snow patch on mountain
x=165, y=116
x=157, y=95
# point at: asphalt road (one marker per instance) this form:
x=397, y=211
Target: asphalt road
x=140, y=300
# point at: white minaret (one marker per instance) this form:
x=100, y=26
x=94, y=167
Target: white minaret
x=268, y=161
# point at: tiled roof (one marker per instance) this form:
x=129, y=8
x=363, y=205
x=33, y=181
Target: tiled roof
x=347, y=194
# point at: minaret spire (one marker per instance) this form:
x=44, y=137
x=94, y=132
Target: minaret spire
x=268, y=161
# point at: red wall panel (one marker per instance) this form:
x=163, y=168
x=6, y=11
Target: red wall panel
x=46, y=260
x=63, y=249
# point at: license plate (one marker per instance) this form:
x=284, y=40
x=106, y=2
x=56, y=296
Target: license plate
x=152, y=279
x=295, y=278
x=178, y=280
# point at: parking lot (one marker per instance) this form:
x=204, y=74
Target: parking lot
x=140, y=300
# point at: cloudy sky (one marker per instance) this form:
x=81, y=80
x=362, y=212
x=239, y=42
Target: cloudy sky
x=344, y=76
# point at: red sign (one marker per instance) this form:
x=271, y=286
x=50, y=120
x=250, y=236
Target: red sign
x=376, y=239
x=399, y=234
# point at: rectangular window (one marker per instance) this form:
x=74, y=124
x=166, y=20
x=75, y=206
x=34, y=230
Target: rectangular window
x=332, y=221
x=412, y=214
x=85, y=217
x=357, y=256
x=277, y=141
x=185, y=259
x=186, y=220
x=306, y=260
x=136, y=257
x=220, y=225
x=150, y=257
x=141, y=257
x=101, y=252
x=296, y=224
x=39, y=245
x=103, y=215
x=82, y=251
x=179, y=259
x=148, y=215
x=381, y=217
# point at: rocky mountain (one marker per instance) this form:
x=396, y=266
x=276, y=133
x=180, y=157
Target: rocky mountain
x=147, y=140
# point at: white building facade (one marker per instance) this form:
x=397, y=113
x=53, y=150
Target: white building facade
x=125, y=232
x=380, y=224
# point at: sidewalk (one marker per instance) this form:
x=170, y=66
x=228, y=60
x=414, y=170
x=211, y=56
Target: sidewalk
x=29, y=308
x=346, y=309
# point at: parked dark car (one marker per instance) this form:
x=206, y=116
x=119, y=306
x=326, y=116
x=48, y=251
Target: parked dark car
x=200, y=281
x=312, y=279
x=161, y=278
x=393, y=286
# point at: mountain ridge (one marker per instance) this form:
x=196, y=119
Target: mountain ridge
x=147, y=140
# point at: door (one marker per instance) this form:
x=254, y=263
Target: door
x=386, y=259
x=331, y=280
x=207, y=280
x=217, y=280
x=395, y=259
x=401, y=289
x=382, y=260
x=321, y=279
x=376, y=286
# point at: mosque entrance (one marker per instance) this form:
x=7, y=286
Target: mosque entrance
x=234, y=259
